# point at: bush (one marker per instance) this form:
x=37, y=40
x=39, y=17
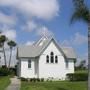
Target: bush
x=42, y=79
x=5, y=72
x=77, y=77
x=38, y=80
x=23, y=79
x=12, y=71
x=32, y=79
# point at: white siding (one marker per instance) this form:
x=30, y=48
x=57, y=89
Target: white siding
x=49, y=69
x=58, y=70
x=41, y=69
x=70, y=66
x=25, y=71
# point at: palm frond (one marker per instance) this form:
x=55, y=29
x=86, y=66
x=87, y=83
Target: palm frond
x=12, y=43
x=81, y=14
x=78, y=3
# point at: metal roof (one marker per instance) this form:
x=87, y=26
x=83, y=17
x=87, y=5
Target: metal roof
x=35, y=50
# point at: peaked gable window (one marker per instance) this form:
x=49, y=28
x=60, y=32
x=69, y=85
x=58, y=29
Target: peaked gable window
x=56, y=59
x=47, y=59
x=29, y=63
x=52, y=57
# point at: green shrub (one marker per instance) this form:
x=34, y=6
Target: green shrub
x=38, y=79
x=34, y=79
x=23, y=79
x=12, y=71
x=42, y=79
x=77, y=76
x=5, y=71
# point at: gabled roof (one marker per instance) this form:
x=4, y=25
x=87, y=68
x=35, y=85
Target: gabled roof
x=35, y=50
x=69, y=52
x=32, y=51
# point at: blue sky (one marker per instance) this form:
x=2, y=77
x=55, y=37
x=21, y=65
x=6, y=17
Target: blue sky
x=25, y=21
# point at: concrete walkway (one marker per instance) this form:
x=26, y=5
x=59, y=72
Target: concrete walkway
x=15, y=84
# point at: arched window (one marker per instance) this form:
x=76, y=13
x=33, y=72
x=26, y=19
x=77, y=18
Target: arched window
x=47, y=59
x=52, y=53
x=56, y=59
x=52, y=57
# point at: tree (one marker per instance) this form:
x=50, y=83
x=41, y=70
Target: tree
x=2, y=42
x=82, y=65
x=11, y=44
x=82, y=12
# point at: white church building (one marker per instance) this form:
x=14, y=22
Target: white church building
x=45, y=59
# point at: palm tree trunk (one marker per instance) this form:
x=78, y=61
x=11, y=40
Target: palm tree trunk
x=10, y=57
x=89, y=56
x=4, y=56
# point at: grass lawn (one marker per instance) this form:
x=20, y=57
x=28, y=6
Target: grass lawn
x=4, y=82
x=64, y=85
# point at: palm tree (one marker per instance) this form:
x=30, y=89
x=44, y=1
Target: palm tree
x=2, y=42
x=11, y=44
x=82, y=12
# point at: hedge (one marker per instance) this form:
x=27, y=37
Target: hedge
x=32, y=79
x=6, y=72
x=77, y=76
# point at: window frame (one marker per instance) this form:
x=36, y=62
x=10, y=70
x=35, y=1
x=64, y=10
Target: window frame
x=29, y=64
x=47, y=59
x=51, y=57
x=56, y=59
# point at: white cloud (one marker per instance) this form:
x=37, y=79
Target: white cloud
x=11, y=34
x=5, y=19
x=75, y=41
x=44, y=9
x=29, y=43
x=38, y=29
x=30, y=26
x=79, y=39
x=65, y=43
x=44, y=31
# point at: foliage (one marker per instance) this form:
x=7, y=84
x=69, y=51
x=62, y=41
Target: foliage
x=23, y=79
x=32, y=79
x=3, y=39
x=81, y=66
x=81, y=11
x=77, y=76
x=6, y=72
x=55, y=85
x=10, y=43
x=42, y=79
